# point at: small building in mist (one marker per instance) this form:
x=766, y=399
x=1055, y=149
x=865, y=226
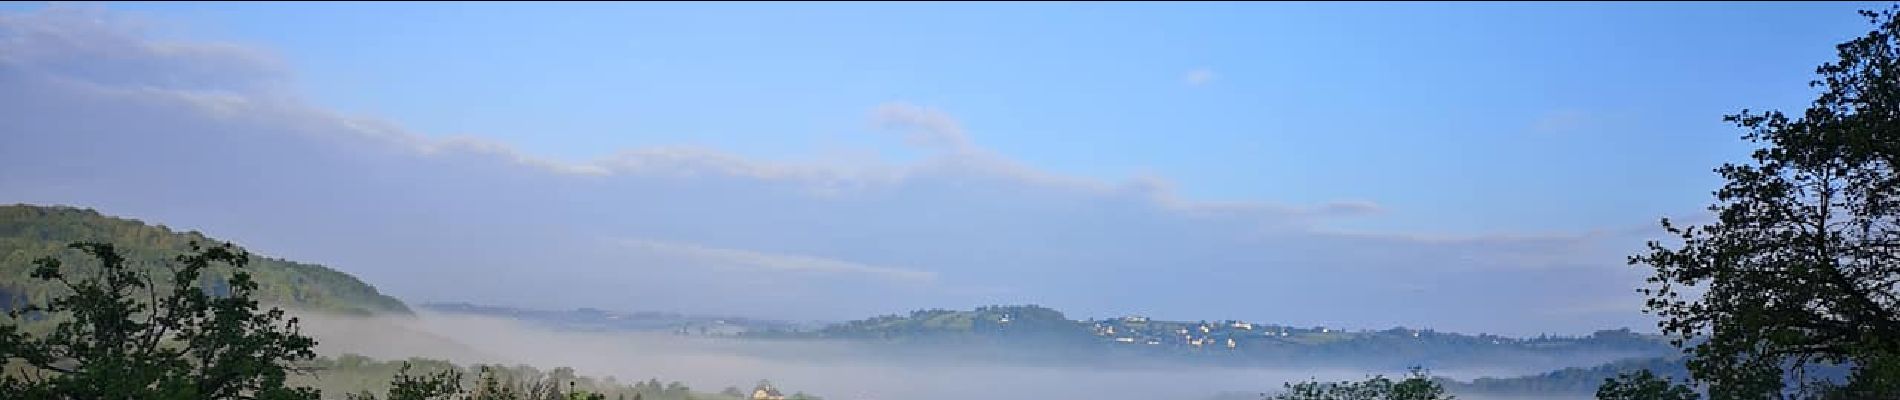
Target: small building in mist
x=765, y=391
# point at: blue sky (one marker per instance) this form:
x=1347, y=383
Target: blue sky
x=1471, y=118
x=1467, y=121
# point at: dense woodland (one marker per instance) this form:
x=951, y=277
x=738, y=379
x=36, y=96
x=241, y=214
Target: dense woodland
x=28, y=232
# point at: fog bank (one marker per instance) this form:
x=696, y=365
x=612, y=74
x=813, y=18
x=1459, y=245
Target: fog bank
x=832, y=369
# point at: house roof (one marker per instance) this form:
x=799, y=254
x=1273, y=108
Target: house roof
x=768, y=389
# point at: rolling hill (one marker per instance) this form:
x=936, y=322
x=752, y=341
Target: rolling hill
x=1231, y=342
x=28, y=232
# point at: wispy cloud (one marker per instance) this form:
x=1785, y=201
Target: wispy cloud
x=68, y=43
x=924, y=126
x=1199, y=77
x=774, y=261
x=97, y=114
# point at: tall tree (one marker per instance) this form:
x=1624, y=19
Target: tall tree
x=1802, y=265
x=122, y=334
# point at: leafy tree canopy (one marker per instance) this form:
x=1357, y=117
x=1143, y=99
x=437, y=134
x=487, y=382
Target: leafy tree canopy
x=122, y=335
x=1801, y=266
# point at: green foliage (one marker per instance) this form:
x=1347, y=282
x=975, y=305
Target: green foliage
x=1799, y=268
x=1418, y=385
x=122, y=335
x=444, y=385
x=119, y=331
x=419, y=378
x=28, y=232
x=447, y=385
x=1644, y=385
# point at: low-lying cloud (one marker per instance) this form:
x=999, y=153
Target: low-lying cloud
x=835, y=370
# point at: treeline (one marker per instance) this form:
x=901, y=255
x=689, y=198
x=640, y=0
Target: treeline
x=359, y=377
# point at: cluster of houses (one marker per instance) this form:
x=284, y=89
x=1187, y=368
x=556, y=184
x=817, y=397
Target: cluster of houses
x=1230, y=334
x=709, y=328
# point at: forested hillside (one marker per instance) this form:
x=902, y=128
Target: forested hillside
x=28, y=232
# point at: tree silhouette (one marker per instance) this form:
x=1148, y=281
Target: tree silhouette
x=1801, y=267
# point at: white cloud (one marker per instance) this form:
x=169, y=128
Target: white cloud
x=924, y=126
x=204, y=136
x=1200, y=77
x=93, y=46
x=774, y=261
